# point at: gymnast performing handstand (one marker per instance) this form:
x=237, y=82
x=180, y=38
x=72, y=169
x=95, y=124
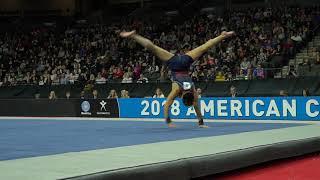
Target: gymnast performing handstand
x=179, y=64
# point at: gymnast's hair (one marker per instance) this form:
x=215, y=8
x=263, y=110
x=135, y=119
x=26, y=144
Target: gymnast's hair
x=188, y=98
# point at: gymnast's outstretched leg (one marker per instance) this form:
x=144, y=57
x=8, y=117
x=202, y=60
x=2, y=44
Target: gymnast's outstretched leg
x=162, y=54
x=197, y=52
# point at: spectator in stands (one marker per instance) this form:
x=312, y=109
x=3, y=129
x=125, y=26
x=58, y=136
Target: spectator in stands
x=68, y=94
x=100, y=79
x=124, y=94
x=262, y=57
x=292, y=72
x=82, y=95
x=317, y=60
x=233, y=91
x=314, y=56
x=245, y=64
x=95, y=94
x=37, y=96
x=69, y=57
x=112, y=94
x=52, y=95
x=142, y=79
x=41, y=81
x=158, y=94
x=126, y=78
x=164, y=74
x=54, y=78
x=220, y=76
x=306, y=63
x=154, y=67
x=211, y=76
x=258, y=72
x=305, y=92
x=195, y=76
x=296, y=37
x=283, y=93
x=250, y=74
x=241, y=75
x=228, y=75
x=118, y=73
x=199, y=91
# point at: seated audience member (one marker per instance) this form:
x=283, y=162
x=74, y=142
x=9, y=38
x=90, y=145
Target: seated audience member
x=305, y=92
x=126, y=78
x=142, y=79
x=158, y=94
x=233, y=91
x=283, y=93
x=95, y=94
x=292, y=73
x=37, y=96
x=112, y=94
x=52, y=95
x=125, y=94
x=199, y=91
x=220, y=76
x=68, y=94
x=258, y=72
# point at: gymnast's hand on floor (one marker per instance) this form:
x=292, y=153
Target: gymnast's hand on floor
x=126, y=34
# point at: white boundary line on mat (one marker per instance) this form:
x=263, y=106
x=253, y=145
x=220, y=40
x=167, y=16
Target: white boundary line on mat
x=156, y=120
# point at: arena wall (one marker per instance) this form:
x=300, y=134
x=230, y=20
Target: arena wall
x=261, y=88
x=37, y=5
x=258, y=108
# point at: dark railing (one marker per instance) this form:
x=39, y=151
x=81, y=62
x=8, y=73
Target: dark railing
x=264, y=87
x=268, y=73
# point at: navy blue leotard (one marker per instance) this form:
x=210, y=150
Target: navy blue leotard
x=179, y=66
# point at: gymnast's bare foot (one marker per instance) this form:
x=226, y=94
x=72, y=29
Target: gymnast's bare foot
x=203, y=126
x=226, y=34
x=126, y=34
x=201, y=123
x=171, y=125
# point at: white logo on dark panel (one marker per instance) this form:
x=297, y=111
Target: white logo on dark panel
x=103, y=105
x=85, y=107
x=103, y=108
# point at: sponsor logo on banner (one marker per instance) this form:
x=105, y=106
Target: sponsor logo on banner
x=85, y=107
x=103, y=109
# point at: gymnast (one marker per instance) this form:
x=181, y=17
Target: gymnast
x=179, y=64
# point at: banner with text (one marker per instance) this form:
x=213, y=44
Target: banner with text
x=255, y=108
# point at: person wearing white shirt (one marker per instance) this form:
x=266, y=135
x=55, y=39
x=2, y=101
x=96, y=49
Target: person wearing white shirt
x=296, y=38
x=100, y=79
x=126, y=78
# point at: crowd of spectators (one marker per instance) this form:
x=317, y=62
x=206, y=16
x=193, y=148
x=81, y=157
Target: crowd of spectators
x=95, y=54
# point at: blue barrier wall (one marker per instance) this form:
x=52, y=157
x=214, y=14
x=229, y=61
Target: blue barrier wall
x=255, y=108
